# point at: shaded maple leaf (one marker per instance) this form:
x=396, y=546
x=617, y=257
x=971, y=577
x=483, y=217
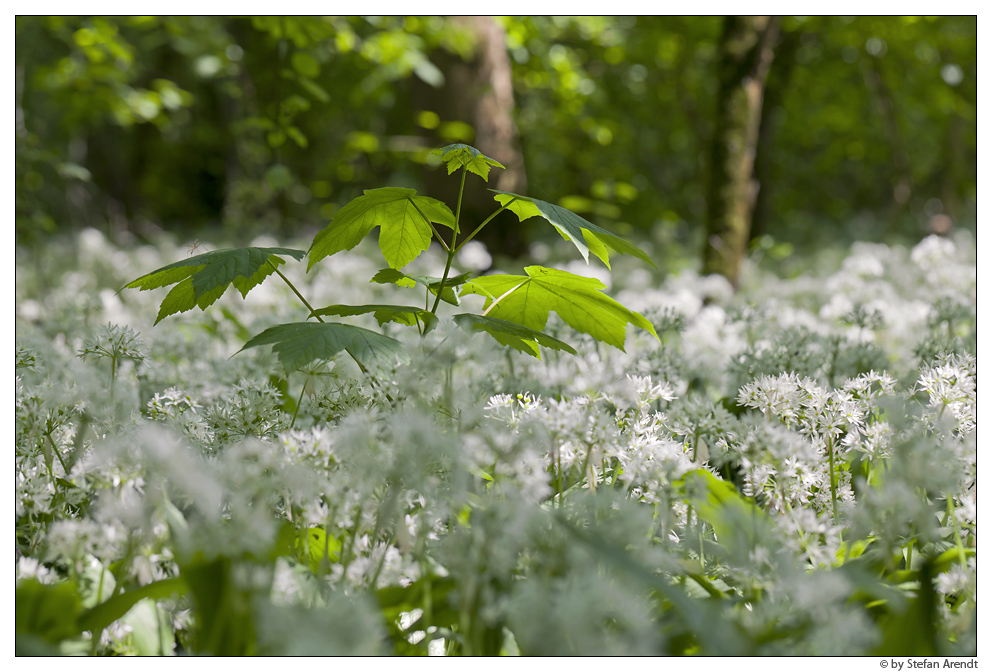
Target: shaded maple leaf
x=204, y=278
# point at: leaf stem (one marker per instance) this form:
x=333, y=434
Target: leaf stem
x=454, y=237
x=58, y=455
x=431, y=224
x=431, y=354
x=438, y=234
x=479, y=227
x=458, y=208
x=310, y=308
x=298, y=402
x=833, y=476
x=297, y=292
x=707, y=586
x=699, y=532
x=957, y=531
x=444, y=278
x=587, y=472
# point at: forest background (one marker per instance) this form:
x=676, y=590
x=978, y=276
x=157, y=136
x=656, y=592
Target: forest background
x=704, y=138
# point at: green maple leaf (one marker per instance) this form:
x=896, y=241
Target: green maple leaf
x=392, y=276
x=528, y=301
x=405, y=219
x=385, y=313
x=512, y=334
x=586, y=236
x=300, y=343
x=458, y=155
x=204, y=278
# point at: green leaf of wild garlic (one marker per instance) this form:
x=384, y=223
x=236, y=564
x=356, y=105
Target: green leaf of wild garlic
x=105, y=613
x=405, y=221
x=385, y=313
x=392, y=276
x=204, y=278
x=47, y=611
x=299, y=343
x=586, y=236
x=737, y=522
x=459, y=154
x=528, y=301
x=511, y=334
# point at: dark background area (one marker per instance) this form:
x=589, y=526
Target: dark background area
x=230, y=127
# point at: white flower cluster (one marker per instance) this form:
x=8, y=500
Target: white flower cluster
x=585, y=439
x=809, y=430
x=328, y=484
x=951, y=385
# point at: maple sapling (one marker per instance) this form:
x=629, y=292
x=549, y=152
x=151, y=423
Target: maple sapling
x=516, y=309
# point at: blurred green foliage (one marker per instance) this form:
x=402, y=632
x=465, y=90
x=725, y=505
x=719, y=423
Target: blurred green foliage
x=272, y=123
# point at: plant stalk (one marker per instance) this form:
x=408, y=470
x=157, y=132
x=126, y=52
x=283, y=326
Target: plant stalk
x=454, y=239
x=484, y=222
x=58, y=455
x=707, y=586
x=431, y=224
x=310, y=308
x=957, y=531
x=298, y=402
x=833, y=477
x=297, y=292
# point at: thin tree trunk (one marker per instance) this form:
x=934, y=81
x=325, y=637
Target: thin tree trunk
x=746, y=53
x=493, y=114
x=479, y=92
x=779, y=79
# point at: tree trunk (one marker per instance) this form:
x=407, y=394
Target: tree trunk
x=479, y=92
x=746, y=53
x=779, y=80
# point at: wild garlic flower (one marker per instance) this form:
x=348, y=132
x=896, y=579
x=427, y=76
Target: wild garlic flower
x=315, y=512
x=933, y=252
x=775, y=396
x=954, y=580
x=313, y=447
x=811, y=534
x=116, y=343
x=966, y=512
x=529, y=473
x=651, y=454
x=649, y=392
x=871, y=385
x=171, y=403
x=951, y=384
x=73, y=540
x=499, y=401
x=250, y=409
x=840, y=415
x=35, y=491
x=30, y=568
x=875, y=440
